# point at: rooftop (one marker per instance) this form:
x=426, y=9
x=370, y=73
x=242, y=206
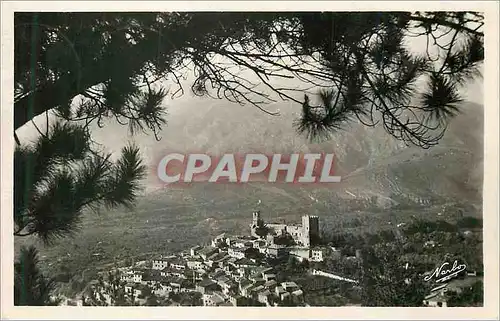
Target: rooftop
x=217, y=257
x=206, y=282
x=244, y=282
x=152, y=277
x=270, y=283
x=280, y=289
x=266, y=269
x=178, y=261
x=216, y=274
x=265, y=293
x=176, y=281
x=239, y=249
x=244, y=261
x=217, y=297
x=160, y=260
x=246, y=238
x=226, y=258
x=463, y=283
x=195, y=258
x=223, y=278
x=436, y=298
x=246, y=285
x=289, y=284
x=222, y=235
x=169, y=269
x=258, y=288
x=207, y=250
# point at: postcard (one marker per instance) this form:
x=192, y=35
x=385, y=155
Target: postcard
x=250, y=160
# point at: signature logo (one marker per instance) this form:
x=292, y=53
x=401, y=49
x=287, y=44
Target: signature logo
x=445, y=273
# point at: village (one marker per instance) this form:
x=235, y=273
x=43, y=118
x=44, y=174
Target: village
x=247, y=270
x=231, y=271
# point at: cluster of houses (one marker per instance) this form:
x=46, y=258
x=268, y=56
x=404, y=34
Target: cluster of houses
x=237, y=270
x=230, y=271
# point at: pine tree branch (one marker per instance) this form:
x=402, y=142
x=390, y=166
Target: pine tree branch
x=50, y=96
x=281, y=45
x=424, y=143
x=448, y=53
x=22, y=227
x=446, y=23
x=24, y=234
x=16, y=138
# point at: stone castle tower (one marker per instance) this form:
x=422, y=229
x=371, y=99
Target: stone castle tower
x=306, y=234
x=257, y=222
x=310, y=229
x=256, y=219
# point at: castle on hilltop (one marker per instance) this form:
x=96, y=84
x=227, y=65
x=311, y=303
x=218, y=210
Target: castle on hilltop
x=304, y=234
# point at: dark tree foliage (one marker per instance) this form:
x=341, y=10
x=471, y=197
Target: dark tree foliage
x=88, y=67
x=375, y=75
x=471, y=296
x=385, y=281
x=31, y=287
x=470, y=222
x=423, y=226
x=359, y=61
x=58, y=177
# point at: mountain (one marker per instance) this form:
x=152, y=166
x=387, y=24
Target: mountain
x=373, y=165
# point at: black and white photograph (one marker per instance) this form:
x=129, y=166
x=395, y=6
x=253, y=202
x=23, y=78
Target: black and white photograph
x=243, y=158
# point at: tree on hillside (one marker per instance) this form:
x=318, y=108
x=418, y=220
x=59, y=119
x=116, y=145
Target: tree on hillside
x=88, y=67
x=32, y=287
x=152, y=300
x=261, y=231
x=471, y=296
x=385, y=281
x=59, y=177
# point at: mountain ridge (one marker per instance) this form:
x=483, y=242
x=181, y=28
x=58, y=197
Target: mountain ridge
x=371, y=162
